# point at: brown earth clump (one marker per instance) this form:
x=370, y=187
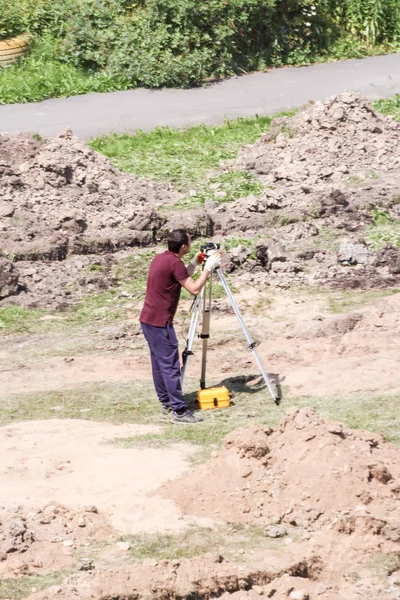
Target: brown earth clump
x=306, y=473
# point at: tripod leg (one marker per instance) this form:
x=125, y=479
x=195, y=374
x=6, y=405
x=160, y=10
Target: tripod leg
x=205, y=334
x=191, y=334
x=248, y=337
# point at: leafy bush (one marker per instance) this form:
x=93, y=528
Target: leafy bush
x=100, y=45
x=21, y=16
x=184, y=42
x=371, y=20
x=12, y=19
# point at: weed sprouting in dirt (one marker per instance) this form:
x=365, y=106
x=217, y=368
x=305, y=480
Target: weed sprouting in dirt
x=346, y=301
x=233, y=540
x=18, y=319
x=20, y=587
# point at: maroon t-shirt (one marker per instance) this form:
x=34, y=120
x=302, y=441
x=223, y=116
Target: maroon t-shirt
x=163, y=289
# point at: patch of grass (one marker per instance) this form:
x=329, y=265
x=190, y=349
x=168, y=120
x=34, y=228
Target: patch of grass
x=354, y=180
x=131, y=275
x=384, y=231
x=380, y=216
x=18, y=319
x=227, y=539
x=384, y=235
x=383, y=565
x=251, y=403
x=133, y=270
x=114, y=402
x=106, y=307
x=327, y=238
x=183, y=157
x=389, y=106
x=348, y=300
x=20, y=587
x=135, y=402
x=224, y=188
x=234, y=242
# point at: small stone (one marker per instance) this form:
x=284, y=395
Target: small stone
x=86, y=564
x=123, y=545
x=276, y=531
x=67, y=543
x=81, y=522
x=245, y=472
x=90, y=509
x=37, y=564
x=299, y=595
x=258, y=589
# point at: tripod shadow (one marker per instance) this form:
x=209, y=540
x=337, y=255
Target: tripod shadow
x=253, y=383
x=243, y=384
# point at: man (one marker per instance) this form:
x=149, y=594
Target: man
x=167, y=275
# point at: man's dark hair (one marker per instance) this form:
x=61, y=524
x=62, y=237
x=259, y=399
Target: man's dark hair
x=176, y=239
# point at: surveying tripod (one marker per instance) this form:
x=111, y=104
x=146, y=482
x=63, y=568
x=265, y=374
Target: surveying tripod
x=202, y=303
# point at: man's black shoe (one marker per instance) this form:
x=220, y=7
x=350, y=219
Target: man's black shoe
x=186, y=417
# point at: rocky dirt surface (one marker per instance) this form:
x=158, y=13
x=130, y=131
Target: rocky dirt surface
x=64, y=208
x=330, y=493
x=324, y=498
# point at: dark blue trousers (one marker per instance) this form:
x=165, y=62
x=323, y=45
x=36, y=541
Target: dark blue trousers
x=165, y=365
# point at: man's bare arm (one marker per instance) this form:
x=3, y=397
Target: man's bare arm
x=194, y=287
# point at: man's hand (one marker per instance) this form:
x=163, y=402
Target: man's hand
x=197, y=259
x=213, y=262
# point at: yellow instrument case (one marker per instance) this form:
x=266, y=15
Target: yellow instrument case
x=217, y=397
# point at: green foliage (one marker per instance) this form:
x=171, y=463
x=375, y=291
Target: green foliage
x=181, y=157
x=16, y=318
x=20, y=587
x=21, y=16
x=370, y=20
x=389, y=106
x=12, y=19
x=380, y=216
x=106, y=45
x=384, y=235
x=39, y=75
x=224, y=188
x=384, y=231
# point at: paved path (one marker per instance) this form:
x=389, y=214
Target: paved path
x=262, y=93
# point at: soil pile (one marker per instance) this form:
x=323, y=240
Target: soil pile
x=324, y=171
x=64, y=207
x=60, y=197
x=329, y=159
x=306, y=473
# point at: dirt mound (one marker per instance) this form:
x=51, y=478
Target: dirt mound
x=310, y=162
x=324, y=171
x=307, y=474
x=61, y=197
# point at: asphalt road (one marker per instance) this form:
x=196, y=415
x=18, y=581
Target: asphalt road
x=261, y=93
